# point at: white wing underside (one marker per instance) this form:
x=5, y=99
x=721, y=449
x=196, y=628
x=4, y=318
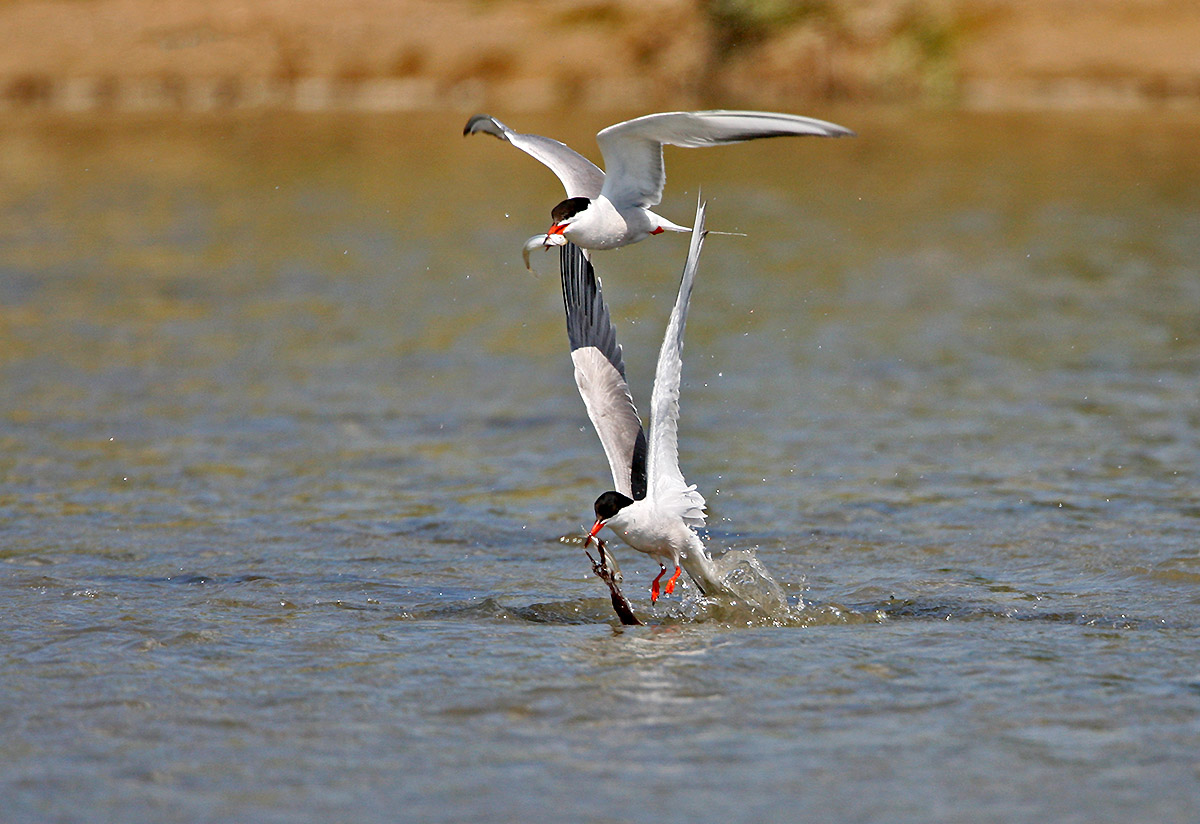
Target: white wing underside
x=610, y=406
x=633, y=159
x=579, y=176
x=632, y=150
x=664, y=480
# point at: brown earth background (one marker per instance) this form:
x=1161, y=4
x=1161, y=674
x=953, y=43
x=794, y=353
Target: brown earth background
x=506, y=55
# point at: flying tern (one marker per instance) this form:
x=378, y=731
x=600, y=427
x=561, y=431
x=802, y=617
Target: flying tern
x=607, y=209
x=652, y=509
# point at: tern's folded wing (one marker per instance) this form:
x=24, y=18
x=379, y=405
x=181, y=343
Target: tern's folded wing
x=579, y=176
x=600, y=373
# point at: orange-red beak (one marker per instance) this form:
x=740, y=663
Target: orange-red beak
x=599, y=525
x=557, y=229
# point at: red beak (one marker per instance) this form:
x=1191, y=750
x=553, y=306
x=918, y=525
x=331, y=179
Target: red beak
x=599, y=525
x=557, y=229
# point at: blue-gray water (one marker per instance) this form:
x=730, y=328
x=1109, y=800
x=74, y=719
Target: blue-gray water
x=288, y=438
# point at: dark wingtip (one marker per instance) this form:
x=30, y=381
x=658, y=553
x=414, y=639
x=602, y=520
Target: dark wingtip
x=837, y=130
x=487, y=124
x=470, y=127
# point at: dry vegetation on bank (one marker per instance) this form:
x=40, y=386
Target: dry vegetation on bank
x=534, y=54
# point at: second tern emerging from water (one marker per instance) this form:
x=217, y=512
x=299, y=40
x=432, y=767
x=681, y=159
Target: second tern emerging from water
x=653, y=509
x=611, y=208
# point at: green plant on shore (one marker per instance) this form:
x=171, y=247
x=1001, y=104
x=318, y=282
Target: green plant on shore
x=740, y=23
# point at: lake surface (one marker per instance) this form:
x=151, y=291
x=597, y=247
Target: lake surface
x=288, y=440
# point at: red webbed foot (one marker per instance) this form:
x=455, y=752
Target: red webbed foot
x=654, y=585
x=670, y=587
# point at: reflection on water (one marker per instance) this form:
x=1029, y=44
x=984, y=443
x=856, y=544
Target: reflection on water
x=288, y=439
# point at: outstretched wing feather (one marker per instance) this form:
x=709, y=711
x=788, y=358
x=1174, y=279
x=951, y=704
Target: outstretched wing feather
x=600, y=373
x=579, y=176
x=633, y=150
x=667, y=486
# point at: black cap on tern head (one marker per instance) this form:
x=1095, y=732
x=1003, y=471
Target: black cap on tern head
x=609, y=504
x=569, y=208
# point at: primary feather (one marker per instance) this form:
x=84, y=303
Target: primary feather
x=600, y=373
x=633, y=160
x=665, y=482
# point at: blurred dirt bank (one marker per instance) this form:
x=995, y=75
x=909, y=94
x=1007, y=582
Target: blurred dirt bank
x=126, y=55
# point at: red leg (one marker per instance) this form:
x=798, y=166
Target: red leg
x=671, y=582
x=654, y=585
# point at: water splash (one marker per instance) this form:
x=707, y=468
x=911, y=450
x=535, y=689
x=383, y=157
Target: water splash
x=751, y=596
x=747, y=578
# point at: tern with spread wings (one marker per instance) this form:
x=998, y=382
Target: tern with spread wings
x=652, y=509
x=611, y=208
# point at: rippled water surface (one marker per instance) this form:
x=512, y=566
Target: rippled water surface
x=288, y=439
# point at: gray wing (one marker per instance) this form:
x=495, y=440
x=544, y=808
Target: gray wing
x=633, y=150
x=579, y=176
x=600, y=373
x=665, y=482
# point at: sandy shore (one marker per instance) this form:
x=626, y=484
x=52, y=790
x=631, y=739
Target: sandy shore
x=128, y=55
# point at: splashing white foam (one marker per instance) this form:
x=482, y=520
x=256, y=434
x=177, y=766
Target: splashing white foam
x=750, y=596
